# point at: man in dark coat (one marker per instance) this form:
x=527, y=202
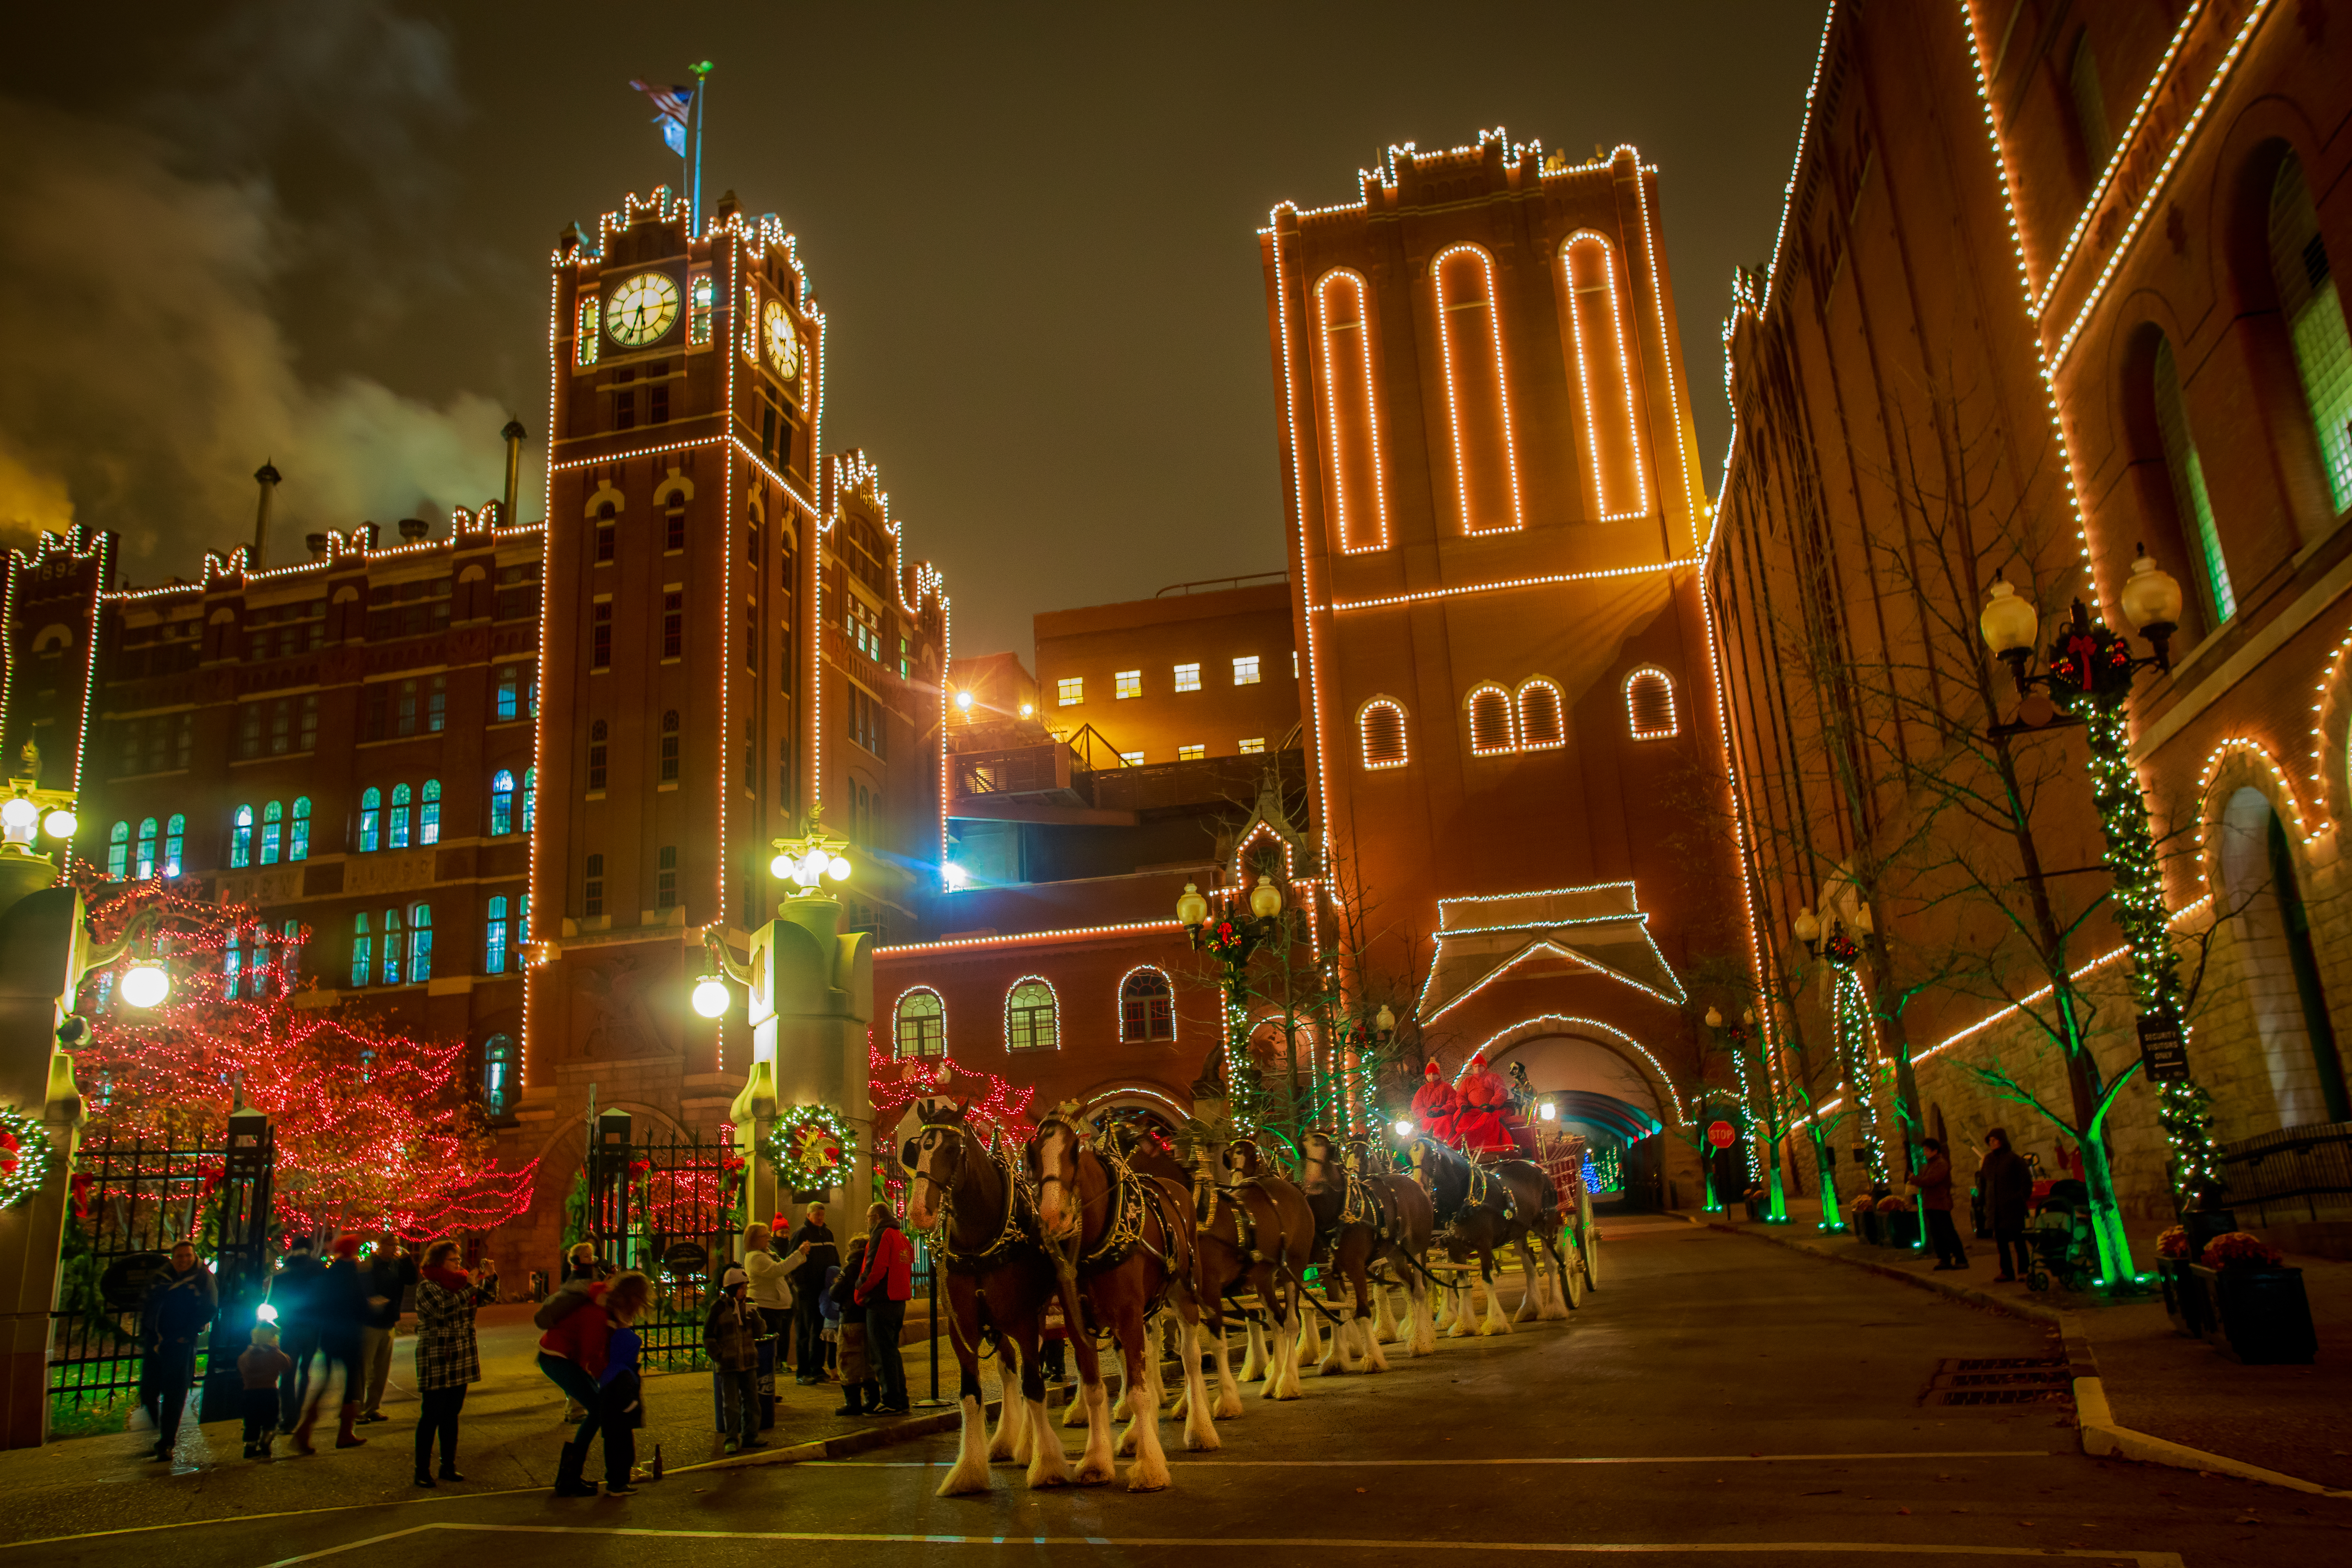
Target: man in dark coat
x=181, y=1302
x=293, y=1291
x=2007, y=1182
x=808, y=1283
x=1934, y=1180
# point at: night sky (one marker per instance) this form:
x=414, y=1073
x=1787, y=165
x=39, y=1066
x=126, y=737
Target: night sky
x=317, y=232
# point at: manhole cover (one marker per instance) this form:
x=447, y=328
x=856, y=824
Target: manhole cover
x=1998, y=1380
x=1997, y=1397
x=1997, y=1363
x=2043, y=1377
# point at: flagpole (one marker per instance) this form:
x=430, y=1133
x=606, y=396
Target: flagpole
x=701, y=112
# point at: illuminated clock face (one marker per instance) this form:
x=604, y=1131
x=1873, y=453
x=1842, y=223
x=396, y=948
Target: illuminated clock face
x=642, y=309
x=783, y=343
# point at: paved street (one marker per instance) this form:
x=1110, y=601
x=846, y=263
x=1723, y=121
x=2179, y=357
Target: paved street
x=1719, y=1398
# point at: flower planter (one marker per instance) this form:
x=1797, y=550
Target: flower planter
x=2186, y=1300
x=2260, y=1316
x=1900, y=1228
x=1866, y=1225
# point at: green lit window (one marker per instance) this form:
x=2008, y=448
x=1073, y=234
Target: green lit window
x=2189, y=495
x=590, y=327
x=2315, y=318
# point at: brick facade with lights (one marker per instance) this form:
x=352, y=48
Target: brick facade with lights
x=2107, y=234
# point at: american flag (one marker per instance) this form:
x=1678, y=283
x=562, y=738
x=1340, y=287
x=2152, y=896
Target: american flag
x=670, y=107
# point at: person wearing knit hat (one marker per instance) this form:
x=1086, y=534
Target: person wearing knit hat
x=730, y=1337
x=1434, y=1105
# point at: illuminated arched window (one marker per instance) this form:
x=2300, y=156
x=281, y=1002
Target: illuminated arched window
x=118, y=852
x=175, y=844
x=1541, y=729
x=297, y=842
x=1379, y=723
x=394, y=947
x=1650, y=704
x=240, y=841
x=273, y=832
x=502, y=793
x=1032, y=1020
x=530, y=795
x=396, y=819
x=2189, y=497
x=1349, y=421
x=1604, y=375
x=498, y=1074
x=920, y=1026
x=1147, y=1006
x=494, y=937
x=1477, y=393
x=2314, y=319
x=420, y=943
x=1492, y=731
x=371, y=819
x=363, y=950
x=428, y=814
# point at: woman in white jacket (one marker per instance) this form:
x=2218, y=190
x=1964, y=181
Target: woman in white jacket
x=771, y=1293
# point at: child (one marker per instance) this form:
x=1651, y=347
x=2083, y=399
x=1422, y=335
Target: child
x=258, y=1367
x=730, y=1337
x=619, y=1405
x=860, y=1390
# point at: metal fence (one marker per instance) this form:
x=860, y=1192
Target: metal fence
x=2289, y=1162
x=668, y=1206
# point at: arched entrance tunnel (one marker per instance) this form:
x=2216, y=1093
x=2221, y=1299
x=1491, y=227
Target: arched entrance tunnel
x=1605, y=1088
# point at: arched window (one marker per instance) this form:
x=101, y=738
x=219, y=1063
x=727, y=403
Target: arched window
x=2090, y=108
x=118, y=852
x=494, y=937
x=2314, y=319
x=395, y=950
x=1604, y=375
x=2291, y=1016
x=1650, y=704
x=921, y=1025
x=502, y=793
x=1147, y=1006
x=1355, y=495
x=371, y=819
x=498, y=1073
x=232, y=965
x=2189, y=495
x=273, y=832
x=1477, y=394
x=175, y=844
x=396, y=820
x=363, y=950
x=1492, y=731
x=240, y=841
x=530, y=795
x=420, y=943
x=669, y=741
x=1541, y=729
x=1381, y=725
x=1033, y=1019
x=298, y=844
x=429, y=823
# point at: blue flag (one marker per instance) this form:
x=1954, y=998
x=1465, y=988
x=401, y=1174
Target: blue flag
x=671, y=105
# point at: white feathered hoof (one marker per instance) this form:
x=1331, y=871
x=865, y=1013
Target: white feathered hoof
x=1049, y=1464
x=1005, y=1443
x=969, y=1472
x=1095, y=1466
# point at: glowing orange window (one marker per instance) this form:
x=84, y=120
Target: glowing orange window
x=1598, y=326
x=1477, y=395
x=1352, y=492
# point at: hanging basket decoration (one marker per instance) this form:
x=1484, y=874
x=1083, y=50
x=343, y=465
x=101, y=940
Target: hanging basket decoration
x=2087, y=660
x=1841, y=949
x=24, y=1156
x=1226, y=942
x=809, y=1147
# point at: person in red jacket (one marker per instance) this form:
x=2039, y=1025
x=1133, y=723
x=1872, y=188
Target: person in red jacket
x=1478, y=1125
x=1434, y=1105
x=578, y=1320
x=884, y=1283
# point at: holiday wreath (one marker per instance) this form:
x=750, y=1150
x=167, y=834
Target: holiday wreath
x=24, y=1156
x=808, y=1146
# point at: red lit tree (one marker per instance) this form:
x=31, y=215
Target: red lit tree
x=376, y=1128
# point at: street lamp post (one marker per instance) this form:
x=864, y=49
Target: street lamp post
x=1233, y=940
x=2088, y=680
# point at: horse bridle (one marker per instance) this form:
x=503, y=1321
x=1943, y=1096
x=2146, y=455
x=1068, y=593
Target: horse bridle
x=943, y=1234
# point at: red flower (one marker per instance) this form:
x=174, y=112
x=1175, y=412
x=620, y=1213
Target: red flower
x=2239, y=1250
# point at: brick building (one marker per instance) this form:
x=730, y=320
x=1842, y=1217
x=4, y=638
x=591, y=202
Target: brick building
x=2053, y=284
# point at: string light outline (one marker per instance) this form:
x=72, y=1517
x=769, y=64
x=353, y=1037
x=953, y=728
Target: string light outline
x=1547, y=1020
x=897, y=1005
x=1642, y=173
x=1118, y=1001
x=1546, y=580
x=1502, y=385
x=1584, y=374
x=1371, y=406
x=1674, y=716
x=1404, y=751
x=1560, y=714
x=1052, y=990
x=1067, y=933
x=1298, y=509
x=1510, y=741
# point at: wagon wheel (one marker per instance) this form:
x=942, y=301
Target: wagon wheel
x=1574, y=1257
x=1589, y=1243
x=2037, y=1278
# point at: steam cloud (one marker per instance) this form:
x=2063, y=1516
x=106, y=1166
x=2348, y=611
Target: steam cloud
x=148, y=365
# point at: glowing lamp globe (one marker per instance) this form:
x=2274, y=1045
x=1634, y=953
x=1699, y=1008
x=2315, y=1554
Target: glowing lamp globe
x=60, y=824
x=1191, y=908
x=811, y=871
x=1403, y=1128
x=955, y=877
x=2151, y=597
x=1548, y=1111
x=17, y=817
x=265, y=1313
x=2007, y=622
x=145, y=984
x=1862, y=919
x=1027, y=708
x=839, y=868
x=710, y=996
x=1265, y=898
x=1807, y=928
x=1714, y=1019
x=783, y=867
x=1384, y=1020
x=964, y=700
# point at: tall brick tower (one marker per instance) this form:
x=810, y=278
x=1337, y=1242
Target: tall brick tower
x=1495, y=504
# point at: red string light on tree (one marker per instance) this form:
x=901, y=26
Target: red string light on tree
x=894, y=1084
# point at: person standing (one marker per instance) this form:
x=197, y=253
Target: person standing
x=293, y=1291
x=449, y=1357
x=859, y=1394
x=730, y=1337
x=883, y=1285
x=769, y=1296
x=391, y=1271
x=571, y=1354
x=620, y=1404
x=2007, y=1182
x=182, y=1301
x=259, y=1368
x=1934, y=1181
x=812, y=1242
x=338, y=1305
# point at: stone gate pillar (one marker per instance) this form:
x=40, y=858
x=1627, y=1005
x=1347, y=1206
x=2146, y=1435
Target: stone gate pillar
x=812, y=999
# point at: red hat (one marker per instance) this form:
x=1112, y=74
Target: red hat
x=1429, y=1071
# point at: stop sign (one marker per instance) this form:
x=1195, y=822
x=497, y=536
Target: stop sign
x=1721, y=1134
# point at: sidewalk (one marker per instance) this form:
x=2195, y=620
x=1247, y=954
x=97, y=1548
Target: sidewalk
x=2289, y=1419
x=508, y=1439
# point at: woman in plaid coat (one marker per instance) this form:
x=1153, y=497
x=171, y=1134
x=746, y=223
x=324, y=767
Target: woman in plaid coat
x=447, y=1358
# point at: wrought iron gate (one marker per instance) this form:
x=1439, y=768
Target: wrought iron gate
x=671, y=1208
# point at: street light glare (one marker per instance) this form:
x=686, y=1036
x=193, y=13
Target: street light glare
x=1404, y=1129
x=839, y=868
x=145, y=984
x=782, y=868
x=19, y=814
x=955, y=876
x=60, y=824
x=712, y=996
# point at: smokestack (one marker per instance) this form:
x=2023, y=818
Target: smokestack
x=318, y=543
x=513, y=434
x=267, y=476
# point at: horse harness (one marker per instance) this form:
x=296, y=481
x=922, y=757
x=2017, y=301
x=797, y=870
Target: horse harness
x=1474, y=1197
x=1019, y=1226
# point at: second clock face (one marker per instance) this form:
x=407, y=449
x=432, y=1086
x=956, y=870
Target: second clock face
x=783, y=343
x=642, y=309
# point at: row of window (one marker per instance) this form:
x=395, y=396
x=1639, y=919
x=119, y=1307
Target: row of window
x=275, y=832
x=1033, y=1015
x=289, y=726
x=1070, y=690
x=395, y=947
x=591, y=883
x=1528, y=719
